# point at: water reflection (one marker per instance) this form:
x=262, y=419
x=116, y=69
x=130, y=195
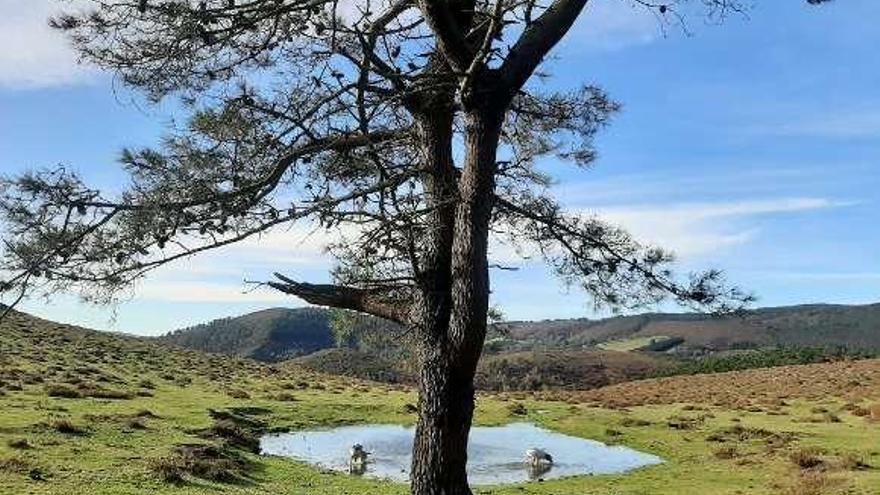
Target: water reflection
x=537, y=471
x=357, y=469
x=495, y=454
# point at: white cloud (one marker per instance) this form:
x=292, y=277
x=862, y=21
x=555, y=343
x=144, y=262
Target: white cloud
x=855, y=124
x=201, y=292
x=613, y=24
x=34, y=55
x=697, y=229
x=301, y=245
x=726, y=180
x=218, y=276
x=827, y=276
x=690, y=230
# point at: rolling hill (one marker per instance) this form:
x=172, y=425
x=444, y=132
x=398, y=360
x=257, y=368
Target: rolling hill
x=819, y=325
x=278, y=334
x=83, y=411
x=270, y=335
x=559, y=354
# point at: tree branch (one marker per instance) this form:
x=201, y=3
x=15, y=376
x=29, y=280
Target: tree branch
x=267, y=184
x=536, y=41
x=450, y=38
x=624, y=273
x=373, y=301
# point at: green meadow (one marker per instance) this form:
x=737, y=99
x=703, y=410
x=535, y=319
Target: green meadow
x=84, y=412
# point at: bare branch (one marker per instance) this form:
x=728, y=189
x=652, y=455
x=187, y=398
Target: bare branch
x=376, y=302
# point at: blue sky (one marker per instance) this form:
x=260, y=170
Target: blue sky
x=750, y=146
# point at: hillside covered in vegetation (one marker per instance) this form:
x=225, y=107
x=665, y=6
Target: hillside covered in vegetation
x=569, y=354
x=819, y=325
x=105, y=414
x=277, y=334
x=270, y=335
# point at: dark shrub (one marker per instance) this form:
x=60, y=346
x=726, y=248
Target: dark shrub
x=236, y=393
x=65, y=391
x=207, y=462
x=169, y=469
x=234, y=434
x=103, y=393
x=629, y=422
x=19, y=443
x=136, y=423
x=729, y=452
x=806, y=458
x=66, y=427
x=285, y=397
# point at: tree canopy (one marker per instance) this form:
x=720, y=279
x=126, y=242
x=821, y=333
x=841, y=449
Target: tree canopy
x=415, y=129
x=315, y=111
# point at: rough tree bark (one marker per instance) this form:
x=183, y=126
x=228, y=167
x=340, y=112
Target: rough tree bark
x=448, y=356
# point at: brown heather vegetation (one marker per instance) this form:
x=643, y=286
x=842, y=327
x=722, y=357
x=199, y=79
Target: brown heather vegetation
x=850, y=380
x=509, y=371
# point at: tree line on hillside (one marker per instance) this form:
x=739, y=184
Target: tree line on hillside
x=765, y=358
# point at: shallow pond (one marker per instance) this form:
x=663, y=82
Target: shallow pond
x=495, y=454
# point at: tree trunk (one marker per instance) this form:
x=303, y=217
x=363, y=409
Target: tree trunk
x=446, y=408
x=448, y=356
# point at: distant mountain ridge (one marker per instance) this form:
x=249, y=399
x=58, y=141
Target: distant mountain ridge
x=269, y=335
x=820, y=325
x=280, y=334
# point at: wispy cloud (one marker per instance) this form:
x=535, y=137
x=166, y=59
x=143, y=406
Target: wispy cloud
x=219, y=276
x=613, y=24
x=853, y=124
x=826, y=276
x=691, y=230
x=726, y=180
x=697, y=229
x=33, y=55
x=202, y=292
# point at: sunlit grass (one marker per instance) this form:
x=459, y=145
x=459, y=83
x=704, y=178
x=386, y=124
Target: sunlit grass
x=755, y=445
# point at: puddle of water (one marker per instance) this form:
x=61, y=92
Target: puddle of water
x=495, y=455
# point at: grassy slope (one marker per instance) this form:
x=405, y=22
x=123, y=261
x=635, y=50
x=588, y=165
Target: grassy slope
x=632, y=344
x=112, y=457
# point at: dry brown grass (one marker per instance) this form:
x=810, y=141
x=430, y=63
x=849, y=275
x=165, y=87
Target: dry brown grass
x=854, y=461
x=14, y=465
x=237, y=393
x=201, y=461
x=807, y=458
x=850, y=380
x=813, y=483
x=727, y=452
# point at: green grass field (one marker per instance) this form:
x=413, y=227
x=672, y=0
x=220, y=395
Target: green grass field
x=632, y=344
x=165, y=398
